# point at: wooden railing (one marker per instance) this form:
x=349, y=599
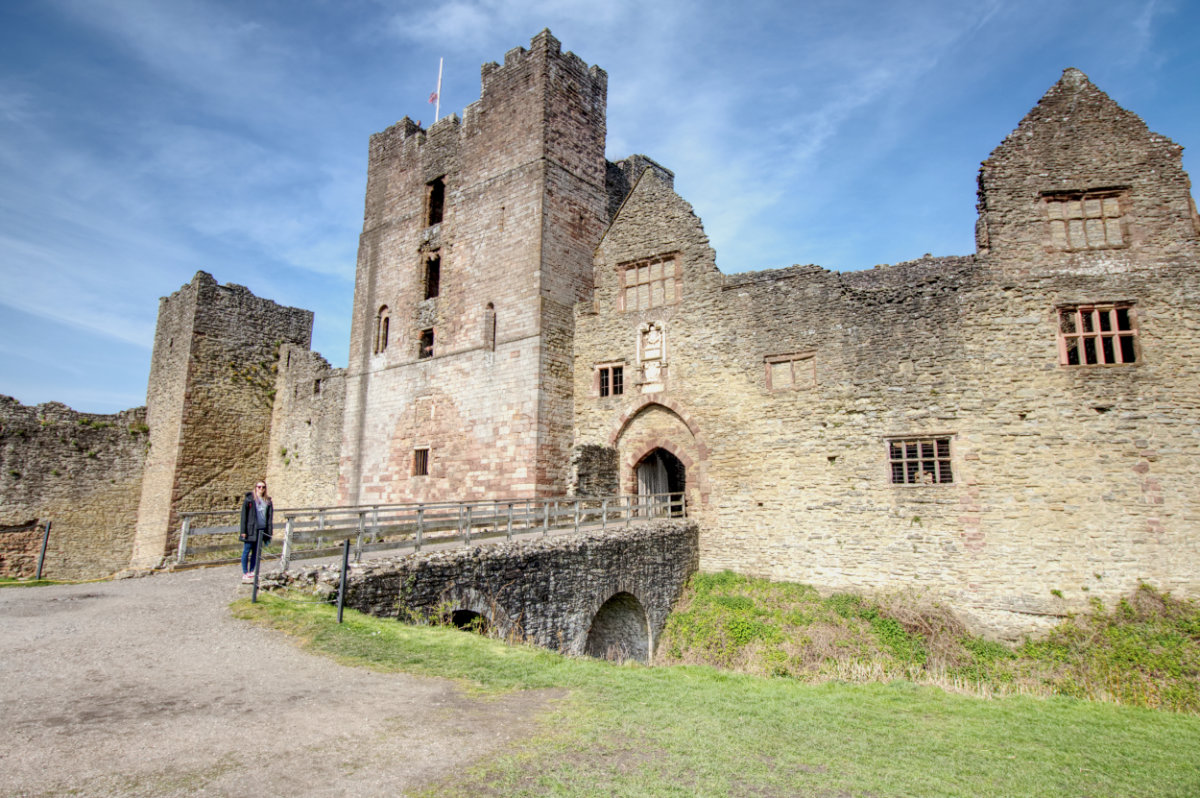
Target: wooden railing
x=211, y=537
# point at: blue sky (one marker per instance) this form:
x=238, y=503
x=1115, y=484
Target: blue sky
x=143, y=140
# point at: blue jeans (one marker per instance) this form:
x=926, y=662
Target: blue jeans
x=248, y=562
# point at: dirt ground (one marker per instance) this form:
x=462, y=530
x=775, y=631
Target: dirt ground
x=147, y=686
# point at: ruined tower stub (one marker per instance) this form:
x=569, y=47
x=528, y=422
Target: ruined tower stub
x=209, y=401
x=477, y=242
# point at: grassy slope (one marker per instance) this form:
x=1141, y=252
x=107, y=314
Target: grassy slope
x=696, y=730
x=1145, y=652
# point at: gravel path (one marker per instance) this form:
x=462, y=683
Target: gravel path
x=149, y=687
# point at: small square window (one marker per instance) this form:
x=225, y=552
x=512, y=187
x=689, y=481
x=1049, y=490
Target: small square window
x=791, y=372
x=420, y=462
x=611, y=379
x=1097, y=335
x=920, y=461
x=425, y=345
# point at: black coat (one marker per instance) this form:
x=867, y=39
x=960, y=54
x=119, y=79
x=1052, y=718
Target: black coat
x=250, y=520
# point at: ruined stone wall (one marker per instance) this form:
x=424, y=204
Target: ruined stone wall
x=212, y=387
x=780, y=391
x=306, y=430
x=524, y=205
x=547, y=591
x=82, y=472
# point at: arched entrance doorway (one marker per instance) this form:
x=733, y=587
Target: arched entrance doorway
x=660, y=473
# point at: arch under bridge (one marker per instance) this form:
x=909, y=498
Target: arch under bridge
x=604, y=593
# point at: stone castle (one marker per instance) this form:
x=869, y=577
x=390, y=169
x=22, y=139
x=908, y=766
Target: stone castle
x=1014, y=431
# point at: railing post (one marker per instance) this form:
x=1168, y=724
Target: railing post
x=286, y=557
x=545, y=517
x=362, y=528
x=467, y=528
x=510, y=504
x=42, y=555
x=183, y=536
x=320, y=527
x=628, y=502
x=577, y=503
x=603, y=514
x=420, y=526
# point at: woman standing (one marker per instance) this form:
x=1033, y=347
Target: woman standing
x=257, y=521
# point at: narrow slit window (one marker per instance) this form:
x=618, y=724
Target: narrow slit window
x=425, y=344
x=420, y=462
x=433, y=275
x=1097, y=335
x=435, y=200
x=920, y=461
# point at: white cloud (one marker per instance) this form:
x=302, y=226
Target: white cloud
x=195, y=43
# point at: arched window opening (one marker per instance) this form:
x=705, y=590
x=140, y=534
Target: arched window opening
x=620, y=631
x=382, y=322
x=661, y=482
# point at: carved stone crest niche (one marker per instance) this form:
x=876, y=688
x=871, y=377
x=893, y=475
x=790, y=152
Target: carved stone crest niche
x=652, y=356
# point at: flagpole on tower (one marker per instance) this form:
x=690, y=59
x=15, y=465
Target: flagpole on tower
x=437, y=95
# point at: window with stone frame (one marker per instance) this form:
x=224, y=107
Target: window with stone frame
x=435, y=200
x=610, y=379
x=420, y=462
x=920, y=461
x=1101, y=334
x=791, y=372
x=433, y=275
x=649, y=283
x=382, y=323
x=1080, y=221
x=425, y=344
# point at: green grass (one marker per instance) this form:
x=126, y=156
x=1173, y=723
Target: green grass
x=1145, y=652
x=696, y=730
x=9, y=581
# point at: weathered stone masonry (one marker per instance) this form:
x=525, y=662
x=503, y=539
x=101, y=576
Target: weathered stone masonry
x=1078, y=479
x=550, y=592
x=83, y=472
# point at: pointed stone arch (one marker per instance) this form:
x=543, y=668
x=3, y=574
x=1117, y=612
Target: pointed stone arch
x=659, y=424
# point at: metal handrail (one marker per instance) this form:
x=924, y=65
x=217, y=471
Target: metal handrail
x=413, y=525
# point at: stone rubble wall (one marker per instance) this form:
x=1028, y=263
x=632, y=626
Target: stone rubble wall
x=80, y=471
x=212, y=388
x=306, y=430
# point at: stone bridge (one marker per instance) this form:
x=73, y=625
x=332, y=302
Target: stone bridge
x=602, y=593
